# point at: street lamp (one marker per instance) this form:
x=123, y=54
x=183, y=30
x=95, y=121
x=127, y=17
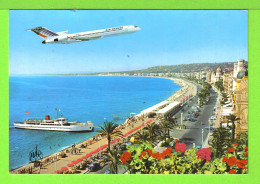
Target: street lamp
x=181, y=120
x=99, y=140
x=202, y=138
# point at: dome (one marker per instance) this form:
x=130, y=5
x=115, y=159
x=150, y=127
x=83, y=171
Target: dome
x=241, y=62
x=242, y=74
x=219, y=70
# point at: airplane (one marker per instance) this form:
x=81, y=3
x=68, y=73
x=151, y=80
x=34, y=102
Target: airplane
x=64, y=38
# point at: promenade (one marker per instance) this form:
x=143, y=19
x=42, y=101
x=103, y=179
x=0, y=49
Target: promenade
x=57, y=161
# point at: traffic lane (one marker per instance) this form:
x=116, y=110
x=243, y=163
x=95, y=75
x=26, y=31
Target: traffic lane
x=195, y=133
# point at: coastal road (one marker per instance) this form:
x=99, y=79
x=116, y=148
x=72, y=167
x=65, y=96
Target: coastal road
x=193, y=132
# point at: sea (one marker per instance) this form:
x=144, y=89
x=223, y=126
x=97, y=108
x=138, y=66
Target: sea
x=77, y=98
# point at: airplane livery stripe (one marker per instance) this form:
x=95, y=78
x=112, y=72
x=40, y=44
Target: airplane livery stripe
x=42, y=35
x=48, y=32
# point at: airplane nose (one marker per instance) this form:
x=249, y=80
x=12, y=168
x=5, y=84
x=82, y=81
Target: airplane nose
x=43, y=42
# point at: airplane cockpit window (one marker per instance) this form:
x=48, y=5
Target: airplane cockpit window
x=136, y=26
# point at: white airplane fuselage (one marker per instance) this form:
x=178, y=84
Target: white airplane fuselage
x=65, y=38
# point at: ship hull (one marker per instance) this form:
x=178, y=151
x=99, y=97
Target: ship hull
x=72, y=128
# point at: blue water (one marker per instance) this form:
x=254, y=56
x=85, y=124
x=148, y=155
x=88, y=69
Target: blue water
x=80, y=98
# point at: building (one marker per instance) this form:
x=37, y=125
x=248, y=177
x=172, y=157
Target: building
x=216, y=76
x=226, y=82
x=241, y=101
x=238, y=66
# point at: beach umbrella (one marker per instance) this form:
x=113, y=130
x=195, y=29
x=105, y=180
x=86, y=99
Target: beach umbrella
x=80, y=160
x=64, y=168
x=84, y=157
x=118, y=139
x=57, y=172
x=102, y=147
x=75, y=162
x=70, y=165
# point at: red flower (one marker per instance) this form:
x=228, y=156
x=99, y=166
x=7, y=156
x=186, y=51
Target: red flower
x=157, y=155
x=233, y=171
x=180, y=147
x=125, y=157
x=246, y=148
x=204, y=153
x=242, y=164
x=231, y=161
x=235, y=144
x=149, y=152
x=224, y=159
x=243, y=161
x=246, y=153
x=122, y=159
x=231, y=150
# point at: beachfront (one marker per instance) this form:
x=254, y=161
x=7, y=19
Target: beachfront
x=92, y=149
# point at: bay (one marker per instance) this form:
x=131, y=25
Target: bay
x=79, y=98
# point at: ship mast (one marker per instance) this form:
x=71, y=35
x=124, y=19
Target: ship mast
x=57, y=112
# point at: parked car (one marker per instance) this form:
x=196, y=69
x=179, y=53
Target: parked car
x=107, y=171
x=196, y=114
x=190, y=116
x=198, y=147
x=192, y=119
x=209, y=127
x=212, y=118
x=94, y=167
x=185, y=119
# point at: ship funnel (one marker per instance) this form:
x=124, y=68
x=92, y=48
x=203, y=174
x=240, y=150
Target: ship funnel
x=47, y=117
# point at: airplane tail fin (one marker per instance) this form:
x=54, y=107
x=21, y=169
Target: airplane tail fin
x=43, y=32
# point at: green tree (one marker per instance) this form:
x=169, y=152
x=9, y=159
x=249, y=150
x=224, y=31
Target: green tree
x=113, y=158
x=232, y=118
x=166, y=124
x=220, y=141
x=219, y=85
x=151, y=129
x=108, y=129
x=142, y=136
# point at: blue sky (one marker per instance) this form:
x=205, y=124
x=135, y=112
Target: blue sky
x=167, y=37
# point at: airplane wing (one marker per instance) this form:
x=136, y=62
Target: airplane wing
x=84, y=38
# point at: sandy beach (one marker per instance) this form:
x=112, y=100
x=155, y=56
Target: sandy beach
x=55, y=161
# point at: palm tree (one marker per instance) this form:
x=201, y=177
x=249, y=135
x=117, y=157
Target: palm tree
x=151, y=130
x=142, y=136
x=109, y=130
x=166, y=124
x=233, y=118
x=113, y=158
x=220, y=141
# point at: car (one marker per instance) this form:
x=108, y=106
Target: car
x=212, y=118
x=94, y=167
x=185, y=119
x=189, y=112
x=198, y=147
x=191, y=116
x=196, y=114
x=107, y=171
x=192, y=119
x=209, y=127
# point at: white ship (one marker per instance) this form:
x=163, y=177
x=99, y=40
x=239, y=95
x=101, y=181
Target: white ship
x=59, y=124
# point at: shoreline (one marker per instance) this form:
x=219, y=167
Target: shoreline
x=175, y=96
